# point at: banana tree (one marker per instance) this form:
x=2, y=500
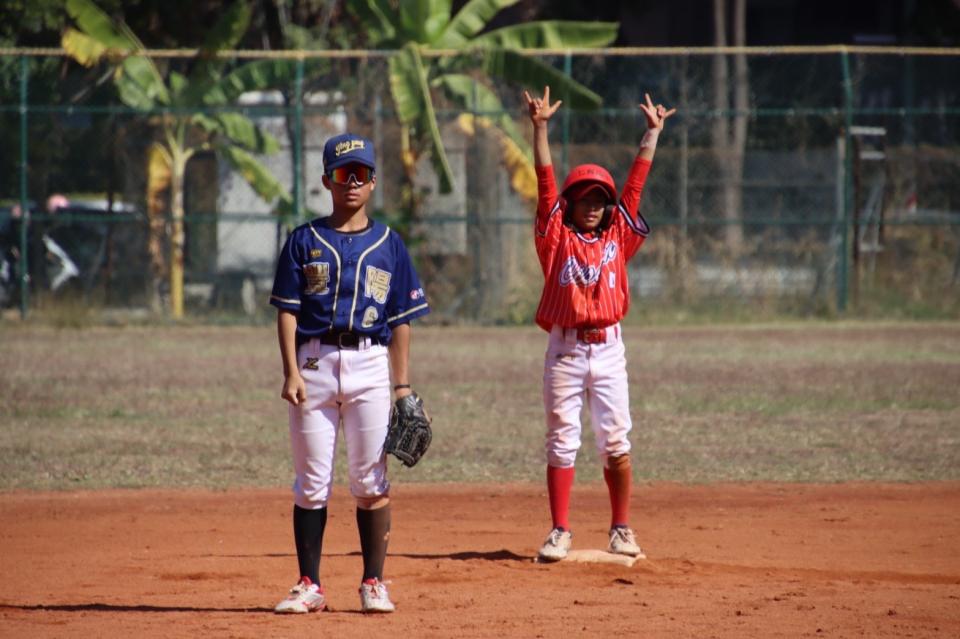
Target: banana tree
x=186, y=109
x=412, y=28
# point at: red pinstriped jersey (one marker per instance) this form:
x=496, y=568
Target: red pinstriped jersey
x=585, y=274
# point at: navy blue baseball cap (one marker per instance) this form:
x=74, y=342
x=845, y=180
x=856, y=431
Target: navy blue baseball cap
x=346, y=148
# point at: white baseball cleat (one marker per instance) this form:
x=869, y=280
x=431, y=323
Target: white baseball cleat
x=556, y=546
x=305, y=597
x=624, y=542
x=374, y=597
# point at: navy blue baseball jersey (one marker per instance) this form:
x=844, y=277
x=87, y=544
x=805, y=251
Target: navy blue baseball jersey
x=362, y=281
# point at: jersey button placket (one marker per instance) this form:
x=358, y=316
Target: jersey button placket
x=349, y=273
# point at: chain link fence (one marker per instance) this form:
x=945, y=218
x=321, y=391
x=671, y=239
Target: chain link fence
x=810, y=180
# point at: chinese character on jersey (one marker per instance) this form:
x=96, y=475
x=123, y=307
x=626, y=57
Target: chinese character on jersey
x=377, y=284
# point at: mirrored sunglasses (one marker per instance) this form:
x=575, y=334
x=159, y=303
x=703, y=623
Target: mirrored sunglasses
x=359, y=174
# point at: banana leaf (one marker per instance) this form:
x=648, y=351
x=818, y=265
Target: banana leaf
x=139, y=81
x=469, y=21
x=137, y=84
x=423, y=20
x=477, y=98
x=411, y=97
x=82, y=48
x=550, y=34
x=380, y=21
x=257, y=76
x=256, y=175
x=229, y=29
x=99, y=26
x=178, y=84
x=225, y=34
x=531, y=73
x=239, y=130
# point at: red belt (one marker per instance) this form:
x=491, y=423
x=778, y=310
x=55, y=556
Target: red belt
x=592, y=335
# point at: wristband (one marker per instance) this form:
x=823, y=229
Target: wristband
x=399, y=386
x=650, y=138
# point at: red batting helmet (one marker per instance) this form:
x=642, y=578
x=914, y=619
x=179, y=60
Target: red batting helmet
x=589, y=173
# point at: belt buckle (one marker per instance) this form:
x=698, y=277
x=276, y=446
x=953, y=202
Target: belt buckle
x=594, y=335
x=341, y=336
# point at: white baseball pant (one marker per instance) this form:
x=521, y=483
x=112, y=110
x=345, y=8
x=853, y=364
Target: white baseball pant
x=573, y=370
x=348, y=386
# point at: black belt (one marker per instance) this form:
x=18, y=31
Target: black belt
x=344, y=340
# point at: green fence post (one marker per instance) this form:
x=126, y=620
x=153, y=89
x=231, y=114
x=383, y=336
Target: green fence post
x=568, y=70
x=24, y=208
x=843, y=263
x=298, y=144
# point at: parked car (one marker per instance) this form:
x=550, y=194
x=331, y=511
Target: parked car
x=78, y=246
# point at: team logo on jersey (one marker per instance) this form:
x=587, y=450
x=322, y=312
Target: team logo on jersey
x=370, y=316
x=318, y=278
x=315, y=253
x=417, y=294
x=573, y=272
x=377, y=284
x=311, y=364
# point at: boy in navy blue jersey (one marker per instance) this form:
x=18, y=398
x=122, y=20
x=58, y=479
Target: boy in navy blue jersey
x=345, y=292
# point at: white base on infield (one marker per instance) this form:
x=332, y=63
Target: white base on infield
x=599, y=556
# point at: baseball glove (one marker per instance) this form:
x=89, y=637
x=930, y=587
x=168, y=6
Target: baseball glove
x=409, y=435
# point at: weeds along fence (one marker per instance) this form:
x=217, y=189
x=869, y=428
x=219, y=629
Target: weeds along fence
x=816, y=180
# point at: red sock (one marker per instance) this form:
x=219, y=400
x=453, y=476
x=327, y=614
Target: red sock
x=559, y=484
x=618, y=481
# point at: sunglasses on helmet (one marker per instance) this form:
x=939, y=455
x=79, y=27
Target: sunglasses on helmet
x=359, y=174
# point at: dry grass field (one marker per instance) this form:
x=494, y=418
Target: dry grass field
x=199, y=406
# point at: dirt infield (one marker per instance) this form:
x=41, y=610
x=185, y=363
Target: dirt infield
x=731, y=560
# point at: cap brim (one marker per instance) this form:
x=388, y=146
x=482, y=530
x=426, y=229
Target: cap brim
x=580, y=191
x=343, y=161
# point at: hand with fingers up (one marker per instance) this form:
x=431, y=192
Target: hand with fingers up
x=541, y=111
x=540, y=108
x=656, y=115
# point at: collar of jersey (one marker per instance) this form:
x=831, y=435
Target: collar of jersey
x=586, y=237
x=370, y=223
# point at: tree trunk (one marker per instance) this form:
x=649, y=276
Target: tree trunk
x=727, y=152
x=409, y=156
x=484, y=205
x=158, y=182
x=741, y=97
x=176, y=236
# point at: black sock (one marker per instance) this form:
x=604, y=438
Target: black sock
x=308, y=526
x=374, y=527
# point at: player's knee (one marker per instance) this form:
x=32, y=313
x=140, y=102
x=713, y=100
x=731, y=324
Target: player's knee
x=561, y=458
x=309, y=504
x=372, y=503
x=617, y=461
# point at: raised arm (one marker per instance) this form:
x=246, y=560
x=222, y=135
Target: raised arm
x=541, y=111
x=656, y=118
x=632, y=192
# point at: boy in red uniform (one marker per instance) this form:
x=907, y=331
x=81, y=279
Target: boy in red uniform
x=584, y=238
